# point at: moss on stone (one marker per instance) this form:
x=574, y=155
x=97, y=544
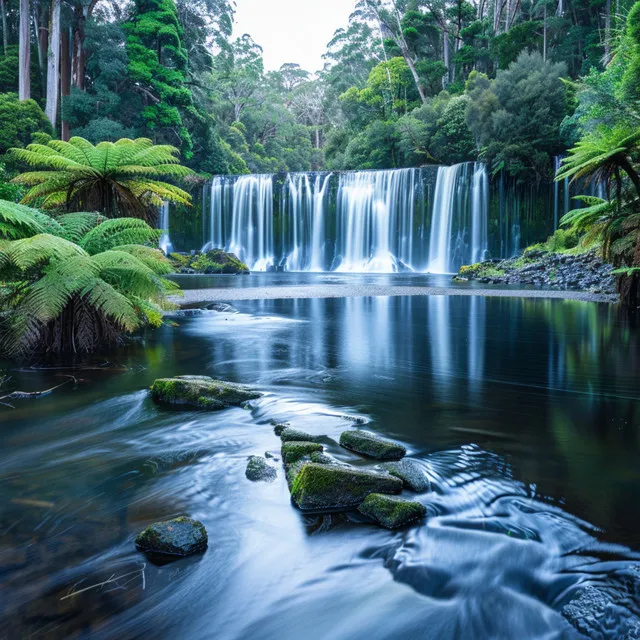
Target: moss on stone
x=292, y=435
x=178, y=537
x=411, y=474
x=293, y=451
x=391, y=512
x=200, y=392
x=372, y=446
x=321, y=487
x=218, y=261
x=258, y=469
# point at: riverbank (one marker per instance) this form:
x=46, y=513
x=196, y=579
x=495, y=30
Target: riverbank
x=194, y=297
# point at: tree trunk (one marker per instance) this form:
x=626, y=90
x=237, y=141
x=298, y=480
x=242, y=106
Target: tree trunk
x=416, y=77
x=79, y=59
x=445, y=56
x=607, y=32
x=5, y=37
x=24, y=56
x=65, y=77
x=53, y=64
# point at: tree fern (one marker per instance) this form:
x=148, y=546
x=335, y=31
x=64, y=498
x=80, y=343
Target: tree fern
x=125, y=178
x=120, y=231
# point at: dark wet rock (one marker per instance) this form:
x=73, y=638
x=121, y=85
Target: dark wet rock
x=318, y=487
x=293, y=451
x=595, y=614
x=292, y=435
x=221, y=307
x=411, y=474
x=179, y=537
x=200, y=392
x=186, y=313
x=271, y=456
x=542, y=268
x=391, y=512
x=369, y=445
x=323, y=458
x=258, y=470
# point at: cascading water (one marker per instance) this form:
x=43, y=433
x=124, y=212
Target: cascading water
x=358, y=221
x=165, y=240
x=252, y=221
x=459, y=226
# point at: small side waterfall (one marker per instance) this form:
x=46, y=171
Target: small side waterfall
x=163, y=223
x=429, y=219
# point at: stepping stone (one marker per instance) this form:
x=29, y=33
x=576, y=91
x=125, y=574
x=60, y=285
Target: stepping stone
x=321, y=487
x=293, y=451
x=391, y=512
x=200, y=392
x=259, y=470
x=293, y=435
x=410, y=472
x=178, y=537
x=372, y=446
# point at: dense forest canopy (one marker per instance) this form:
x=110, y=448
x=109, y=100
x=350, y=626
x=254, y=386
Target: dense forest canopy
x=405, y=83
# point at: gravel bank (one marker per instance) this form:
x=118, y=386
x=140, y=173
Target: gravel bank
x=196, y=296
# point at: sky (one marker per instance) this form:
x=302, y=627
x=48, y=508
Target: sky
x=292, y=30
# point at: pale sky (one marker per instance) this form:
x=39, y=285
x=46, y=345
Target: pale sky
x=292, y=30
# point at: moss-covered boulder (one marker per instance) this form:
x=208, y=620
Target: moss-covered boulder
x=319, y=487
x=211, y=262
x=293, y=451
x=178, y=537
x=391, y=512
x=200, y=392
x=369, y=445
x=259, y=470
x=292, y=435
x=411, y=474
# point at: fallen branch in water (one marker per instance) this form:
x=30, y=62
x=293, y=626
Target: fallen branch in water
x=112, y=580
x=21, y=395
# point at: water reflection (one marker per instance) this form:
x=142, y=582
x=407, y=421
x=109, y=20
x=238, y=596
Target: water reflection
x=523, y=414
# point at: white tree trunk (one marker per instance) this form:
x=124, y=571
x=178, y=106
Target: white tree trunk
x=24, y=53
x=53, y=65
x=445, y=55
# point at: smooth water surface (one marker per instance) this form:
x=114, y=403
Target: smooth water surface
x=523, y=414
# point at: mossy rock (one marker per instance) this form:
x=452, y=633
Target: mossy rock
x=218, y=261
x=320, y=487
x=259, y=470
x=293, y=451
x=178, y=537
x=294, y=435
x=200, y=392
x=411, y=474
x=391, y=512
x=372, y=446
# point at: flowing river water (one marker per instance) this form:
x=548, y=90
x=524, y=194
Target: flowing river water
x=523, y=413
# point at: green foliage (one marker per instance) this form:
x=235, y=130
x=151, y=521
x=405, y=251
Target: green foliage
x=122, y=178
x=19, y=121
x=64, y=296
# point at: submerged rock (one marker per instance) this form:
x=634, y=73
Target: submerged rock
x=178, y=537
x=319, y=487
x=411, y=474
x=200, y=392
x=292, y=435
x=259, y=470
x=293, y=451
x=372, y=446
x=391, y=512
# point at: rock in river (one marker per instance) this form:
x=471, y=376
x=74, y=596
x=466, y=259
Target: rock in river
x=391, y=512
x=372, y=446
x=259, y=470
x=200, y=392
x=410, y=472
x=293, y=435
x=178, y=537
x=293, y=451
x=318, y=486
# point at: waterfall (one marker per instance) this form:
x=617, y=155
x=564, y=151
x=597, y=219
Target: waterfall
x=429, y=219
x=479, y=214
x=165, y=240
x=251, y=236
x=375, y=211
